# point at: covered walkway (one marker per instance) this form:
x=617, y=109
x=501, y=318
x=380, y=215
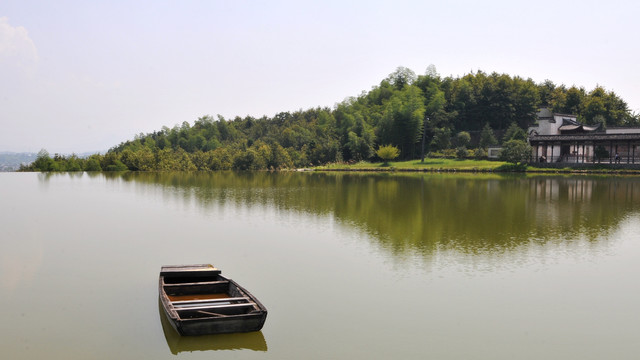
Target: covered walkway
x=586, y=148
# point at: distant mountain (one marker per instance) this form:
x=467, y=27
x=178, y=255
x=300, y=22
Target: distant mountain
x=11, y=161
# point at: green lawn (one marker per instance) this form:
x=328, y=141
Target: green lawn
x=429, y=164
x=465, y=165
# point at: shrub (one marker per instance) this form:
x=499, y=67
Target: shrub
x=93, y=164
x=516, y=151
x=387, y=153
x=461, y=152
x=117, y=166
x=480, y=154
x=446, y=154
x=463, y=139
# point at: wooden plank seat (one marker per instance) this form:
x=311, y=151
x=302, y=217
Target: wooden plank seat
x=217, y=282
x=214, y=307
x=214, y=301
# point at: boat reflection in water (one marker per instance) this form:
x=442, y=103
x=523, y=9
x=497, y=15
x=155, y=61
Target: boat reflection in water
x=251, y=341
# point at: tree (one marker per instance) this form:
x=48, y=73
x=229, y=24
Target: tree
x=487, y=137
x=414, y=114
x=401, y=77
x=545, y=91
x=441, y=139
x=574, y=102
x=196, y=142
x=514, y=132
x=357, y=147
x=201, y=160
x=405, y=111
x=221, y=159
x=387, y=153
x=73, y=163
x=526, y=100
x=358, y=137
x=595, y=105
x=43, y=161
x=93, y=164
x=431, y=71
x=174, y=160
x=111, y=162
x=463, y=138
x=600, y=119
x=515, y=151
x=280, y=158
x=246, y=160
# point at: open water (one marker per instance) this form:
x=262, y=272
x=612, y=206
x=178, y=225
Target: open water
x=350, y=266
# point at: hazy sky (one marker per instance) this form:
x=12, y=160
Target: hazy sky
x=80, y=76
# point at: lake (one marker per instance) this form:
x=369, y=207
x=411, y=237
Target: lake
x=349, y=265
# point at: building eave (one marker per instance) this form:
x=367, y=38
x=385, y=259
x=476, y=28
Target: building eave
x=586, y=137
x=565, y=115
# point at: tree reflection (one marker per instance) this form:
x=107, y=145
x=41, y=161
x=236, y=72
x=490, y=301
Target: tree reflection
x=425, y=212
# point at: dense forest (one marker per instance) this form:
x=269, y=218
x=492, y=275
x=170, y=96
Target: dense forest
x=442, y=116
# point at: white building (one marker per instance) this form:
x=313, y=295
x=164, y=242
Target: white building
x=561, y=138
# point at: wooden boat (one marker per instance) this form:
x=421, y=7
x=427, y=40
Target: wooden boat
x=198, y=300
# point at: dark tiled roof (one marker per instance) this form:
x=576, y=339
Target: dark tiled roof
x=586, y=137
x=569, y=127
x=574, y=128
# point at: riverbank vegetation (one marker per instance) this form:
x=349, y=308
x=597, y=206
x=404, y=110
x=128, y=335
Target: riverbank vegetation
x=426, y=115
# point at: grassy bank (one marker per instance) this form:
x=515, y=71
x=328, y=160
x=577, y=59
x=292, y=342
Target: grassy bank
x=468, y=165
x=417, y=165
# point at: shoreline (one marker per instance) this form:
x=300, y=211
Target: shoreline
x=495, y=170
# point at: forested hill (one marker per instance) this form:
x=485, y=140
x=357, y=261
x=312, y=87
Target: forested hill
x=396, y=112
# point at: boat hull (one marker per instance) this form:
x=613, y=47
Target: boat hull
x=194, y=327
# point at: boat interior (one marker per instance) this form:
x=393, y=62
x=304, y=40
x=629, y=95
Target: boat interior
x=207, y=296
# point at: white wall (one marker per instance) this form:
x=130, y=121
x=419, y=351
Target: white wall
x=547, y=127
x=629, y=130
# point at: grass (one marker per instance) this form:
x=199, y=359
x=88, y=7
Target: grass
x=467, y=165
x=417, y=165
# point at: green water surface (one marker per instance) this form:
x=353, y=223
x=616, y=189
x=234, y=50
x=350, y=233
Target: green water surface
x=350, y=266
